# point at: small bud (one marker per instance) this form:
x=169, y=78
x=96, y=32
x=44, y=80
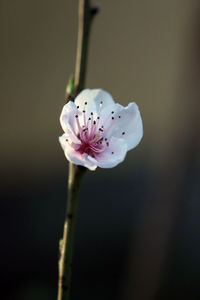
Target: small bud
x=70, y=85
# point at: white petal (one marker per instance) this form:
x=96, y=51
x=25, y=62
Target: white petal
x=67, y=117
x=62, y=140
x=114, y=154
x=94, y=97
x=128, y=124
x=75, y=157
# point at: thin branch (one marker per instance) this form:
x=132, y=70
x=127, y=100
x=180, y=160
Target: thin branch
x=86, y=14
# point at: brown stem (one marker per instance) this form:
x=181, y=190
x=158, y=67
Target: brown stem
x=76, y=173
x=85, y=18
x=66, y=244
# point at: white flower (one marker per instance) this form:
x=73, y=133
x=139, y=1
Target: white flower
x=97, y=131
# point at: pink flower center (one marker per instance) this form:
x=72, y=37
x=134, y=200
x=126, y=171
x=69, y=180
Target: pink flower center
x=91, y=136
x=92, y=133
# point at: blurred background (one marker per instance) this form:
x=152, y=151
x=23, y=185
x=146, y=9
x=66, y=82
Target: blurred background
x=138, y=229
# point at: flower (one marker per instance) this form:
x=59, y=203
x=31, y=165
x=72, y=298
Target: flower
x=97, y=131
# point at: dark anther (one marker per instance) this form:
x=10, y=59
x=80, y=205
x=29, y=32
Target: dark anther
x=85, y=103
x=112, y=152
x=83, y=111
x=77, y=106
x=119, y=117
x=112, y=118
x=76, y=116
x=89, y=119
x=66, y=140
x=123, y=133
x=98, y=118
x=112, y=112
x=94, y=122
x=106, y=139
x=91, y=113
x=107, y=144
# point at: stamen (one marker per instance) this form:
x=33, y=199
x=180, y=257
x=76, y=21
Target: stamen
x=123, y=133
x=78, y=124
x=94, y=139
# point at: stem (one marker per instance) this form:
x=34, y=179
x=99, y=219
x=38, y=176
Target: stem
x=66, y=244
x=76, y=173
x=85, y=17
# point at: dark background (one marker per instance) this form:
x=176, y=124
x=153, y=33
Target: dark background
x=138, y=229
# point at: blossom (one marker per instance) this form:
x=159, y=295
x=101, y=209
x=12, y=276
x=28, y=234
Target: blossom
x=97, y=131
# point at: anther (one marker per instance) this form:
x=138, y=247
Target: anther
x=112, y=112
x=66, y=140
x=112, y=152
x=119, y=117
x=107, y=144
x=101, y=102
x=106, y=139
x=123, y=133
x=112, y=118
x=89, y=119
x=98, y=118
x=91, y=113
x=85, y=103
x=76, y=116
x=94, y=122
x=78, y=107
x=83, y=111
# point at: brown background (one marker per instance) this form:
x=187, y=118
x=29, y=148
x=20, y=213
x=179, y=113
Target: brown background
x=138, y=228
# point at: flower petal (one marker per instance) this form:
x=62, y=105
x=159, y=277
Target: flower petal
x=128, y=124
x=68, y=121
x=67, y=116
x=97, y=100
x=75, y=157
x=113, y=155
